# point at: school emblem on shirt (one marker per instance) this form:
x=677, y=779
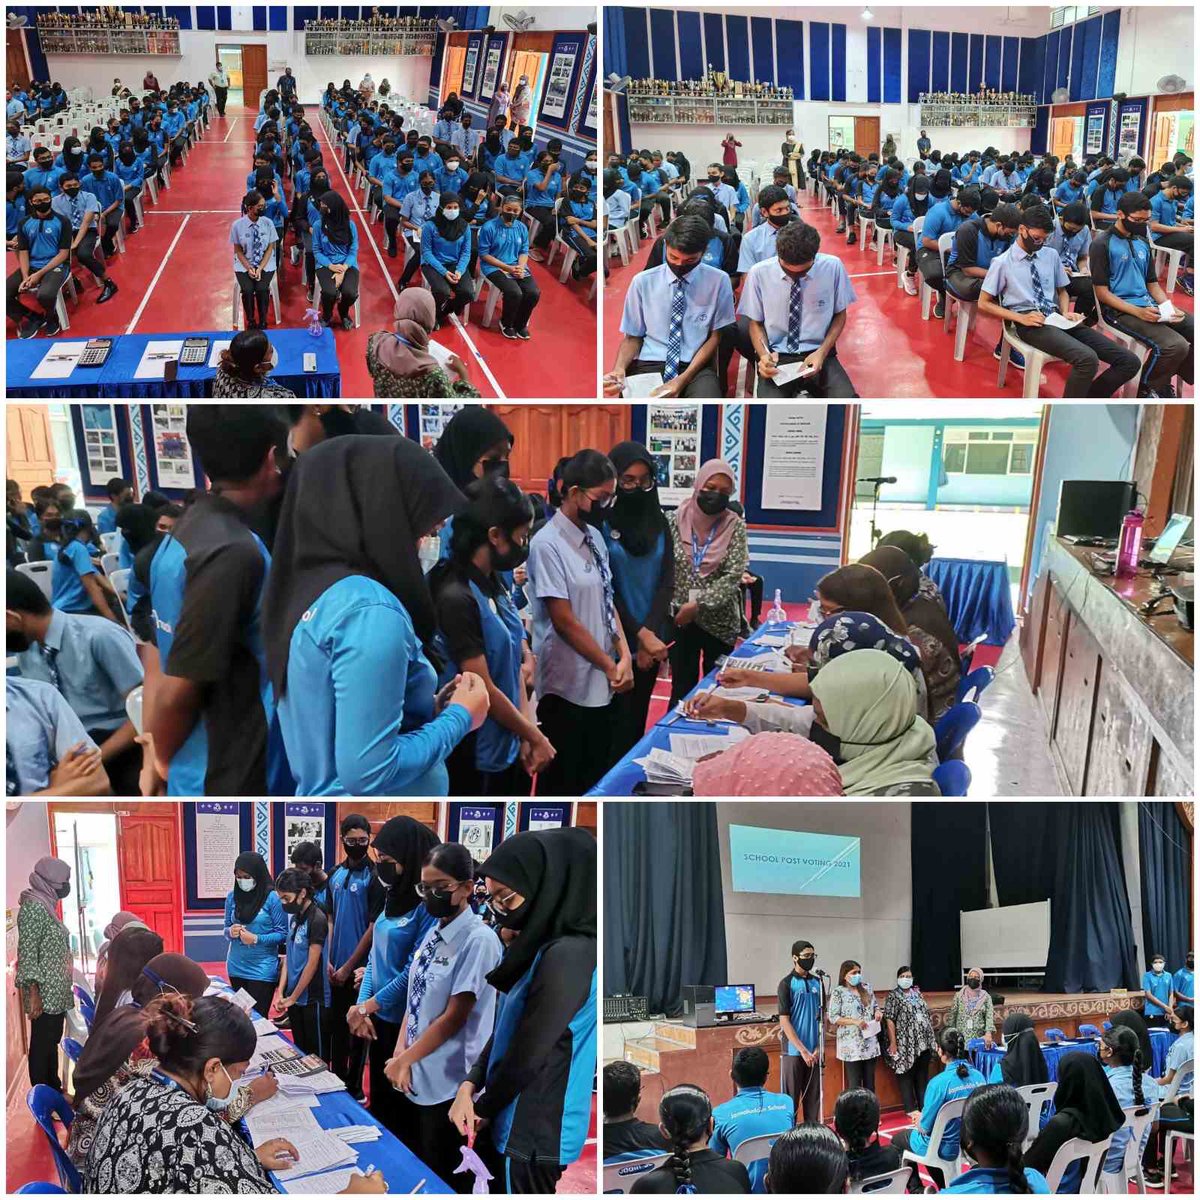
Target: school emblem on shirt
x=702, y=315
x=354, y=887
x=616, y=534
x=405, y=920
x=309, y=614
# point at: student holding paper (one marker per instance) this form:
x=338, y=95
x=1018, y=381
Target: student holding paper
x=304, y=989
x=256, y=928
x=855, y=1015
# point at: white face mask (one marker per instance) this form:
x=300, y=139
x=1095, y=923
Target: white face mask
x=219, y=1103
x=452, y=166
x=1158, y=968
x=451, y=214
x=247, y=885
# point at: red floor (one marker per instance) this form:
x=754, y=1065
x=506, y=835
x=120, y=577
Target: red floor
x=888, y=351
x=177, y=275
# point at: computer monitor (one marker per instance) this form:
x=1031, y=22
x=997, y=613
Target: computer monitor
x=1168, y=541
x=734, y=998
x=1093, y=508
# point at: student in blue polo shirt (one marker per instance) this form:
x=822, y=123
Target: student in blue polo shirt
x=43, y=245
x=78, y=585
x=1105, y=192
x=308, y=857
x=680, y=345
x=347, y=629
x=119, y=491
x=46, y=749
x=800, y=1003
x=255, y=927
x=753, y=1111
x=577, y=226
x=356, y=899
x=1128, y=292
x=1072, y=239
x=43, y=173
x=173, y=126
x=1165, y=229
x=912, y=203
x=304, y=988
x=14, y=207
x=759, y=243
x=995, y=1123
x=1183, y=982
x=452, y=177
x=944, y=217
x=796, y=303
x=1027, y=283
x=1156, y=983
x=1072, y=190
x=504, y=251
x=451, y=1009
x=446, y=247
x=543, y=186
x=110, y=194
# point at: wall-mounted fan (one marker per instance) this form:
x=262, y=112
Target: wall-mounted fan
x=521, y=22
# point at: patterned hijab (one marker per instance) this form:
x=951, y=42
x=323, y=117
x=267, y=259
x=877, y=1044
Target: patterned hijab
x=846, y=631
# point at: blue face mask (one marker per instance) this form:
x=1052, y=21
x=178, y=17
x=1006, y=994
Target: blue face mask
x=905, y=983
x=854, y=979
x=219, y=1103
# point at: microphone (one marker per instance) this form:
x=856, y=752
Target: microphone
x=821, y=975
x=878, y=479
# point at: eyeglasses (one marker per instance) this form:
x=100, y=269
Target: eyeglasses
x=632, y=485
x=426, y=890
x=602, y=501
x=354, y=842
x=501, y=903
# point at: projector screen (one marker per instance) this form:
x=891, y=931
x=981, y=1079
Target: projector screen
x=787, y=862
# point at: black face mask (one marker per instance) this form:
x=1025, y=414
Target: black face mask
x=354, y=854
x=1137, y=228
x=440, y=905
x=71, y=191
x=427, y=188
x=292, y=909
x=780, y=222
x=512, y=920
x=97, y=171
x=63, y=892
x=712, y=503
x=806, y=961
x=829, y=742
x=682, y=270
x=17, y=642
x=973, y=981
x=510, y=560
x=388, y=873
x=714, y=179
x=508, y=218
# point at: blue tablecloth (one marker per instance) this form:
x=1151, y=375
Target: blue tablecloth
x=978, y=597
x=622, y=778
x=116, y=378
x=1160, y=1043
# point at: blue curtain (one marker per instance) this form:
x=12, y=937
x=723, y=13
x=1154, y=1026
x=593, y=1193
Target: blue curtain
x=1165, y=852
x=1024, y=850
x=664, y=912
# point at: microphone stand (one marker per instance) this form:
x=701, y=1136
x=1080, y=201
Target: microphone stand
x=875, y=534
x=821, y=979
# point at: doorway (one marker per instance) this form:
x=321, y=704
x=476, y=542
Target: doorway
x=1173, y=132
x=1067, y=137
x=231, y=59
x=452, y=72
x=866, y=135
x=88, y=842
x=532, y=65
x=254, y=74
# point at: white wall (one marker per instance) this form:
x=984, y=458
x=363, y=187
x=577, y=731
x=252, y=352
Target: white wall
x=1155, y=42
x=27, y=838
x=875, y=929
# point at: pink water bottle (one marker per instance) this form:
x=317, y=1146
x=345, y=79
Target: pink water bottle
x=1129, y=548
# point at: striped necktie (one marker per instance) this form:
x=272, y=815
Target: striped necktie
x=50, y=658
x=418, y=986
x=675, y=332
x=256, y=245
x=1039, y=292
x=795, y=314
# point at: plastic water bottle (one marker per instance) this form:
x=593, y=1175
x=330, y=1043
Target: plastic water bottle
x=1129, y=548
x=814, y=611
x=313, y=317
x=777, y=614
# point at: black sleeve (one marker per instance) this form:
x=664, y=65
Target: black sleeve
x=141, y=619
x=318, y=926
x=1098, y=260
x=656, y=256
x=785, y=997
x=65, y=233
x=559, y=987
x=966, y=241
x=376, y=899
x=458, y=618
x=660, y=605
x=1041, y=1154
x=18, y=526
x=1097, y=201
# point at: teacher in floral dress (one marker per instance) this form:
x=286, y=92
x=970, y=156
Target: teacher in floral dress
x=851, y=1009
x=971, y=1011
x=911, y=1042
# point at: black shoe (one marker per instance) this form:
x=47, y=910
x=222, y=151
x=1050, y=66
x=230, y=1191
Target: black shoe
x=840, y=229
x=51, y=327
x=30, y=327
x=852, y=239
x=1147, y=393
x=107, y=293
x=939, y=309
x=524, y=334
x=509, y=332
x=1167, y=393
x=347, y=322
x=391, y=252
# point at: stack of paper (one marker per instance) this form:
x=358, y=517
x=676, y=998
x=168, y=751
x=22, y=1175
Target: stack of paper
x=328, y=1184
x=282, y=1103
x=263, y=1027
x=316, y=1152
x=661, y=766
x=313, y=1085
x=262, y=1125
x=763, y=662
x=739, y=693
x=242, y=999
x=696, y=745
x=352, y=1134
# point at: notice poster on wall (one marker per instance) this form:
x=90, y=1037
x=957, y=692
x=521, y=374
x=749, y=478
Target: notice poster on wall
x=491, y=68
x=434, y=418
x=1131, y=128
x=558, y=83
x=591, y=121
x=1093, y=138
x=302, y=823
x=468, y=79
x=218, y=825
x=477, y=830
x=100, y=443
x=673, y=438
x=794, y=457
x=172, y=453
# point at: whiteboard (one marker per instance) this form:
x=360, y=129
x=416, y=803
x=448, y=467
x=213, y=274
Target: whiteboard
x=1017, y=935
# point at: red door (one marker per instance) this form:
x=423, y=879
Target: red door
x=148, y=848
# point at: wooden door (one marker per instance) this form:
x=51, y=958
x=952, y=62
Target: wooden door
x=1063, y=140
x=544, y=433
x=866, y=135
x=525, y=62
x=148, y=855
x=452, y=71
x=254, y=74
x=1163, y=140
x=16, y=63
x=29, y=445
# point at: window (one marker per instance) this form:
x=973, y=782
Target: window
x=988, y=451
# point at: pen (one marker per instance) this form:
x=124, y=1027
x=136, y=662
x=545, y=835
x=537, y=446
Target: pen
x=417, y=1188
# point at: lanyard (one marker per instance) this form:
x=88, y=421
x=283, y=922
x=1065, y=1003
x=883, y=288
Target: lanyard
x=698, y=551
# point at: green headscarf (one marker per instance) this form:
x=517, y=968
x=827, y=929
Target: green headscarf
x=870, y=703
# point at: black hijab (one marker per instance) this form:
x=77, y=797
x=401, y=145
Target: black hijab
x=904, y=578
x=468, y=433
x=128, y=953
x=72, y=155
x=919, y=207
x=137, y=523
x=1023, y=1062
x=335, y=223
x=555, y=870
x=354, y=505
x=450, y=230
x=408, y=842
x=246, y=904
x=1086, y=1096
x=1130, y=1018
x=637, y=517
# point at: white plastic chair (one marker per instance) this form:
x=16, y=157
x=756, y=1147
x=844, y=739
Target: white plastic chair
x=967, y=309
x=110, y=563
x=1174, y=1135
x=892, y=1181
x=620, y=1177
x=120, y=581
x=1173, y=257
x=1137, y=1120
x=111, y=541
x=314, y=299
x=1130, y=343
x=952, y=1110
x=755, y=1149
x=1036, y=1096
x=884, y=236
x=1093, y=1154
x=1186, y=1070
x=1035, y=360
x=238, y=314
x=41, y=573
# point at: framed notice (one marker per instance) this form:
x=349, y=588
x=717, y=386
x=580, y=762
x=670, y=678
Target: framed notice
x=673, y=439
x=1093, y=137
x=794, y=457
x=100, y=442
x=1131, y=121
x=479, y=827
x=491, y=69
x=434, y=418
x=302, y=823
x=565, y=62
x=535, y=815
x=218, y=843
x=172, y=453
x=470, y=63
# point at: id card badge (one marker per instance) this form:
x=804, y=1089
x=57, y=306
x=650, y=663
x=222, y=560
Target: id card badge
x=693, y=595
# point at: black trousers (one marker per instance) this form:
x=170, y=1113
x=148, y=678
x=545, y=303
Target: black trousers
x=108, y=239
x=347, y=1053
x=1170, y=346
x=691, y=644
x=704, y=385
x=830, y=383
x=802, y=1083
x=46, y=294
x=131, y=194
x=1084, y=349
x=1177, y=241
x=124, y=770
x=860, y=1074
x=1082, y=290
x=426, y=1130
x=384, y=1097
x=754, y=593
x=255, y=292
x=411, y=266
x=311, y=1027
x=930, y=267
x=450, y=298
x=262, y=991
x=45, y=1032
x=222, y=95
x=966, y=287
x=466, y=779
x=343, y=294
x=904, y=237
x=630, y=710
x=912, y=1082
x=545, y=218
x=513, y=1177
x=583, y=738
x=521, y=297
x=85, y=254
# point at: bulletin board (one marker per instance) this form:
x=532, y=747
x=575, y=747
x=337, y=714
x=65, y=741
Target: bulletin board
x=589, y=122
x=102, y=438
x=534, y=815
x=215, y=832
x=295, y=821
x=1095, y=125
x=472, y=66
x=479, y=827
x=493, y=66
x=562, y=78
x=679, y=446
x=1131, y=129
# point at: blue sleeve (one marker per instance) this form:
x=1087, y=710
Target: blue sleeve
x=368, y=982
x=68, y=728
x=464, y=254
x=321, y=258
x=81, y=560
x=370, y=670
x=724, y=313
x=633, y=319
x=487, y=240
x=933, y=1103
x=228, y=915
x=395, y=990
x=278, y=932
x=119, y=661
x=428, y=258
x=352, y=256
x=719, y=1142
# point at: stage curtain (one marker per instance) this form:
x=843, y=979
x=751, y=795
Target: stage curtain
x=1165, y=853
x=948, y=844
x=664, y=911
x=1024, y=854
x=1091, y=927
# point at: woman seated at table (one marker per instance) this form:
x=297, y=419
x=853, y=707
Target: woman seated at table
x=243, y=369
x=768, y=764
x=1023, y=1062
x=920, y=550
x=130, y=951
x=1085, y=1107
x=166, y=1132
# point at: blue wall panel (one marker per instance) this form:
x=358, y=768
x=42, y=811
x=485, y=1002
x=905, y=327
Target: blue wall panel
x=1050, y=74
x=1008, y=76
x=1062, y=79
x=691, y=60
x=818, y=59
x=615, y=58
x=991, y=61
x=838, y=56
x=662, y=43
x=224, y=16
x=183, y=14
x=789, y=56
x=637, y=50
x=278, y=17
x=1110, y=30
x=260, y=17
x=737, y=38
x=874, y=65
x=764, y=51
x=892, y=56
x=1091, y=59
x=1038, y=138
x=975, y=63
x=206, y=16
x=714, y=41
x=959, y=53
x=918, y=64
x=1033, y=59
x=1078, y=72
x=941, y=62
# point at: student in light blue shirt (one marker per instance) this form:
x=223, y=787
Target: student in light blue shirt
x=543, y=186
x=464, y=139
x=1156, y=983
x=715, y=181
x=617, y=205
x=448, y=994
x=759, y=243
x=1183, y=983
x=17, y=147
x=446, y=248
x=304, y=986
x=796, y=303
x=444, y=126
x=511, y=167
x=452, y=177
x=358, y=702
x=46, y=744
x=335, y=255
x=995, y=1123
x=1072, y=239
x=1071, y=191
x=253, y=237
x=78, y=586
x=941, y=218
x=1132, y=1084
x=753, y=1111
x=255, y=928
x=504, y=252
x=419, y=205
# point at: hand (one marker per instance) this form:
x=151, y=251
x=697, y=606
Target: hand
x=1074, y=317
x=247, y=938
x=816, y=360
x=285, y=1002
x=25, y=284
x=862, y=1024
x=798, y=656
x=471, y=694
x=1149, y=313
x=462, y=1112
x=644, y=661
x=704, y=706
x=614, y=383
x=808, y=1056
x=150, y=782
x=374, y=1183
x=769, y=365
x=262, y=1088
x=653, y=645
x=35, y=1003
x=687, y=613
x=75, y=766
x=987, y=1040
x=915, y=1116
x=453, y=276
x=340, y=977
x=445, y=695
x=1175, y=317
x=672, y=387
x=520, y=575
x=893, y=1050
x=1031, y=319
x=536, y=754
x=235, y=931
x=456, y=366
x=620, y=674
x=277, y=1155
x=359, y=972
x=399, y=1073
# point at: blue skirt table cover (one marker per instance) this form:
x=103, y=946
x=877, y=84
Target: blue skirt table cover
x=1161, y=1041
x=978, y=597
x=626, y=774
x=985, y=1060
x=116, y=380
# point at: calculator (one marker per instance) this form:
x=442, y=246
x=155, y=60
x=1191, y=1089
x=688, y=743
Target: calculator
x=96, y=352
x=194, y=352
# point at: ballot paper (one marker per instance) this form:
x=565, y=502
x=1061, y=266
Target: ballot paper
x=642, y=386
x=315, y=1085
x=763, y=662
x=61, y=358
x=1166, y=310
x=443, y=354
x=790, y=372
x=1057, y=321
x=154, y=359
x=739, y=693
x=661, y=766
x=242, y=999
x=316, y=1152
x=263, y=1026
x=775, y=640
x=872, y=1029
x=284, y=1123
x=328, y=1184
x=696, y=745
x=281, y=1102
x=353, y=1134
x=219, y=345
